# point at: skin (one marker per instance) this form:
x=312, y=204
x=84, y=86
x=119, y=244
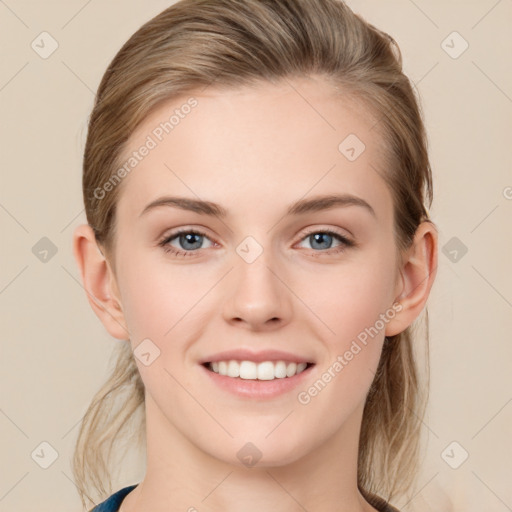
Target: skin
x=255, y=150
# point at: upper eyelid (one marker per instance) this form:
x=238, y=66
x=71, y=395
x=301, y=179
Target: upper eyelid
x=324, y=230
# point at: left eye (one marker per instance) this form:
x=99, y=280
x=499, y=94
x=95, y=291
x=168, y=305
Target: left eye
x=325, y=237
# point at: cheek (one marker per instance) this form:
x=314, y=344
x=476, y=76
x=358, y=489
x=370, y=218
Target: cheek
x=161, y=307
x=357, y=301
x=158, y=298
x=352, y=298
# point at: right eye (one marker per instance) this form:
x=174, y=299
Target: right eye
x=184, y=237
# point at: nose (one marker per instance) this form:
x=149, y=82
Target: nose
x=259, y=298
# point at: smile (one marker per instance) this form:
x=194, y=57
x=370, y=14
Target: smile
x=250, y=370
x=258, y=381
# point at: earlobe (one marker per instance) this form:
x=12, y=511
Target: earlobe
x=417, y=277
x=99, y=282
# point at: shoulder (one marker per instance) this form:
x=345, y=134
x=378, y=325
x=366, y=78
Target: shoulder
x=112, y=503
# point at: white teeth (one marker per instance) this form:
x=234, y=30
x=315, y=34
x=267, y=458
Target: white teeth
x=291, y=369
x=223, y=367
x=280, y=369
x=233, y=369
x=266, y=370
x=248, y=370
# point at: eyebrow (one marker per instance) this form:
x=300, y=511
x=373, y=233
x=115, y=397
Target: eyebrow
x=315, y=204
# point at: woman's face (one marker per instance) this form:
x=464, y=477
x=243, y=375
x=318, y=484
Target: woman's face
x=258, y=278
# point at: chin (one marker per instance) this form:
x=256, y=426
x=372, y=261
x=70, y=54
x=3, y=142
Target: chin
x=257, y=451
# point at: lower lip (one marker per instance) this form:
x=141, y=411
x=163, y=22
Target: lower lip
x=258, y=389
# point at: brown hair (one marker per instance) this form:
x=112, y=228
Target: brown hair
x=194, y=43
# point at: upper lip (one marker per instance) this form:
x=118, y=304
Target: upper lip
x=242, y=354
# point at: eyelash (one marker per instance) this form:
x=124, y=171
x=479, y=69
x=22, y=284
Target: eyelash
x=164, y=243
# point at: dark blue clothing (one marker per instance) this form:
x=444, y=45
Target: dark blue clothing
x=113, y=503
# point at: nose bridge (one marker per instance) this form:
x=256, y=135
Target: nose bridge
x=258, y=294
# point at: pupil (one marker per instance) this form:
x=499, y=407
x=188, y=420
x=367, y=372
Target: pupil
x=189, y=239
x=321, y=236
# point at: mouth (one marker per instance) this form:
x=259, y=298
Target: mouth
x=257, y=371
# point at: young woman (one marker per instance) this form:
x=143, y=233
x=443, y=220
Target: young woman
x=255, y=181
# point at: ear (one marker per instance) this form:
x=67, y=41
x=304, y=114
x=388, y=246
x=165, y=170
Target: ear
x=417, y=277
x=99, y=282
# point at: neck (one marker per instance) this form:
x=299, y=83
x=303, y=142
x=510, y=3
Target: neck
x=182, y=477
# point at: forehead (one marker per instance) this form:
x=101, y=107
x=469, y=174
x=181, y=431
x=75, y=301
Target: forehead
x=255, y=145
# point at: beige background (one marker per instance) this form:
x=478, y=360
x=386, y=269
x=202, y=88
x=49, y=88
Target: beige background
x=55, y=353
